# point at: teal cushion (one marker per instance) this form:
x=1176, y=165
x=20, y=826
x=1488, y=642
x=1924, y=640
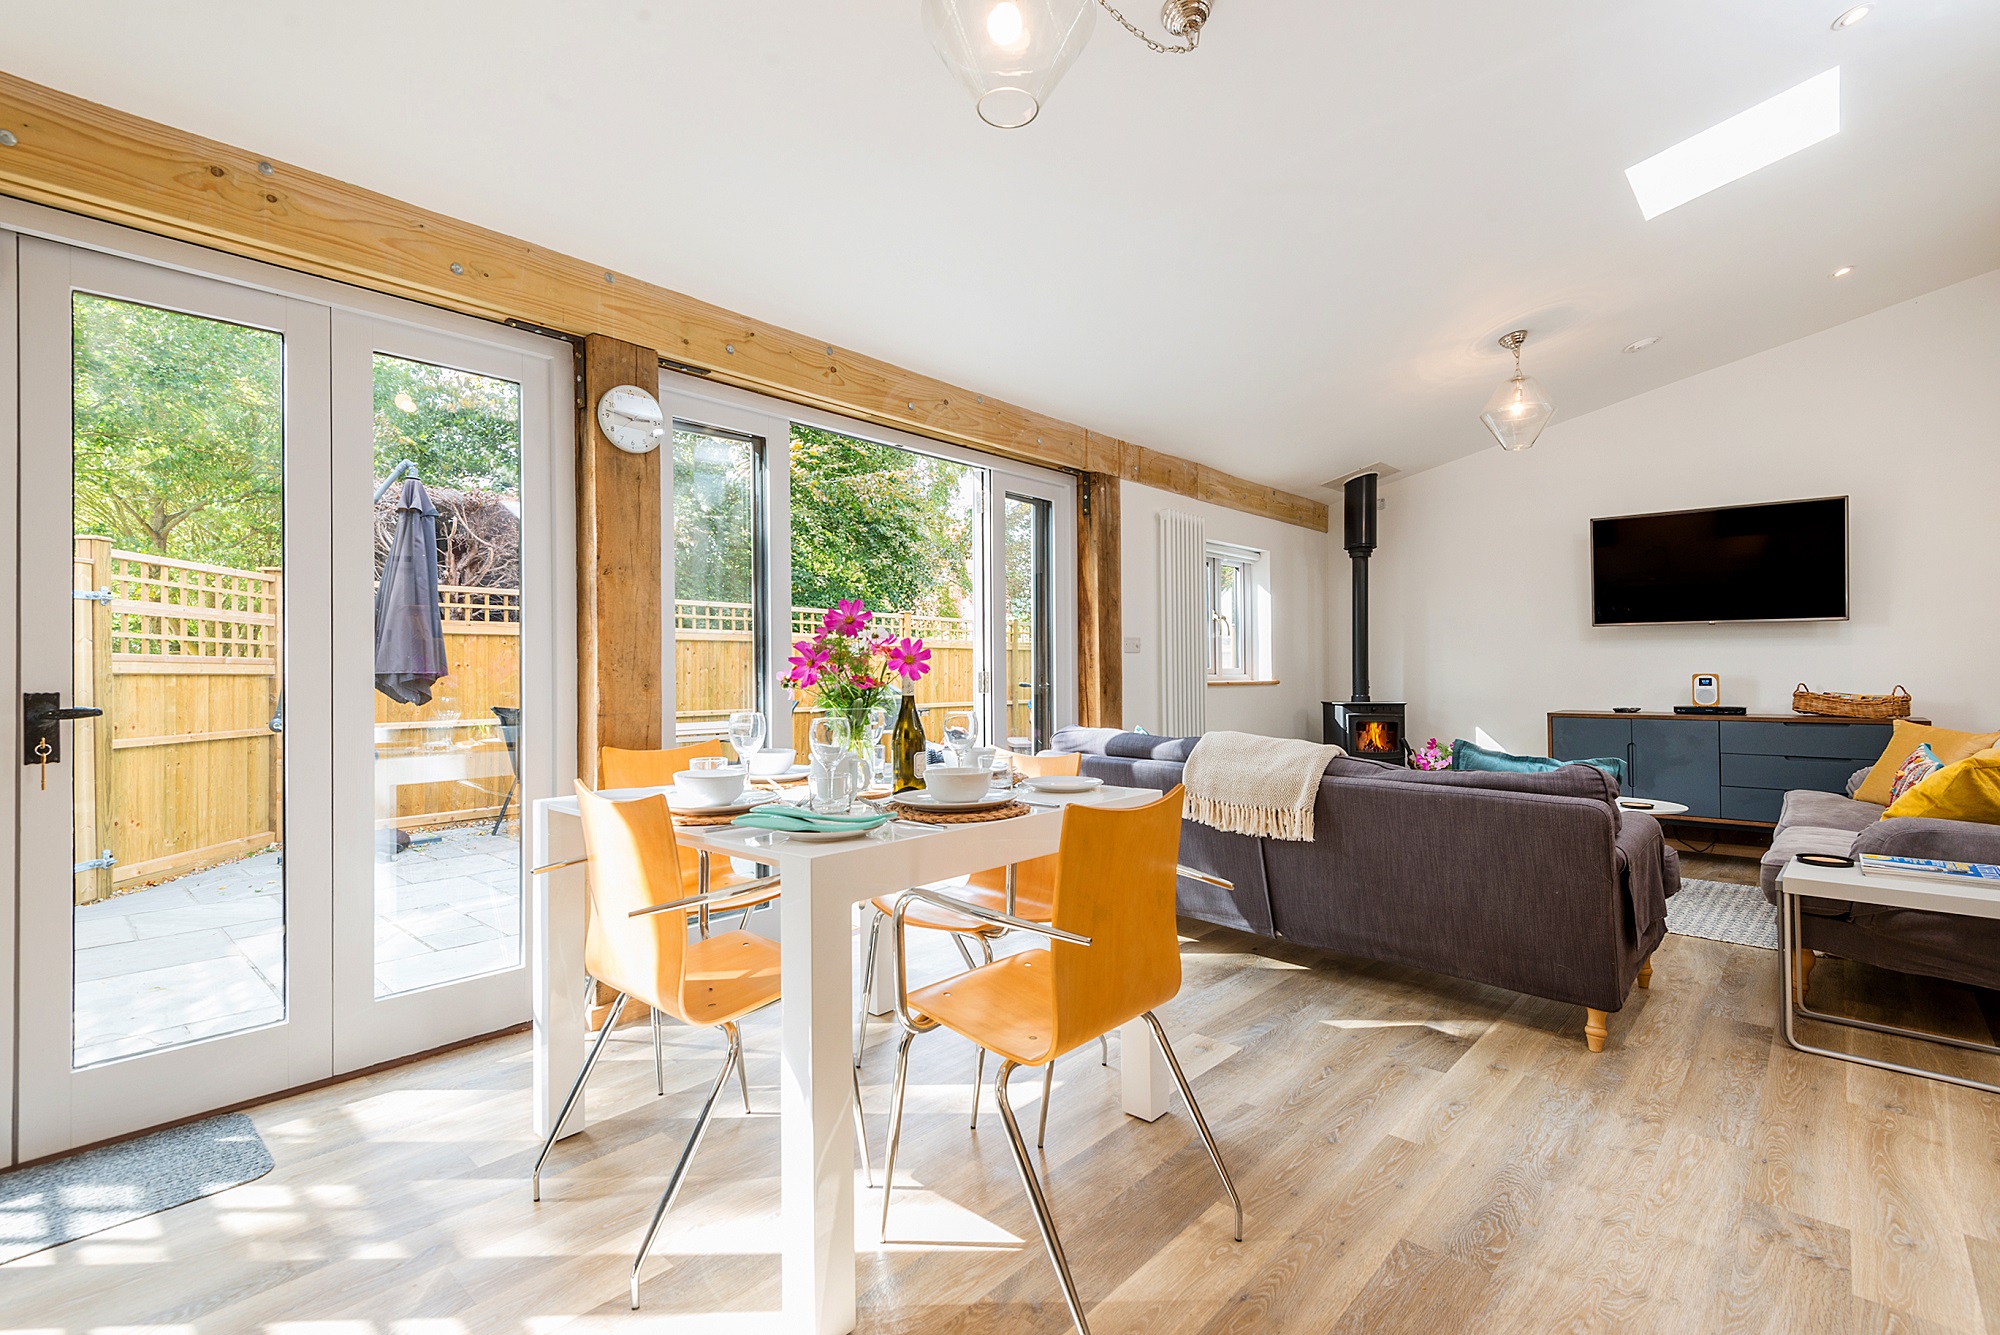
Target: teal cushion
x=1464, y=755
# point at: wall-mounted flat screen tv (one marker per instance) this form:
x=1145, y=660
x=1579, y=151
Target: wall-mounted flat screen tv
x=1785, y=561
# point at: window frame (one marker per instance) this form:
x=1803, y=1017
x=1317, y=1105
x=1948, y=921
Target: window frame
x=1248, y=564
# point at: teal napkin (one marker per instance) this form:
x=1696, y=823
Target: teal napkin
x=789, y=818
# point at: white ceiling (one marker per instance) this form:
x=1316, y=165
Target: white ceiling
x=1286, y=255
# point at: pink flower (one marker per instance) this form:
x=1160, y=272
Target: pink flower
x=848, y=617
x=867, y=683
x=809, y=657
x=909, y=659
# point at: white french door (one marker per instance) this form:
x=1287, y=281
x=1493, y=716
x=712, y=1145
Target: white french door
x=243, y=868
x=430, y=923
x=148, y=992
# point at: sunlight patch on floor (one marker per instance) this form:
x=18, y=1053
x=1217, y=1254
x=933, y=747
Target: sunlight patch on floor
x=1451, y=1028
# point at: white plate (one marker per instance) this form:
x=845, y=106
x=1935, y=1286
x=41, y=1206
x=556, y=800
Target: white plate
x=825, y=836
x=736, y=808
x=783, y=775
x=925, y=802
x=1063, y=783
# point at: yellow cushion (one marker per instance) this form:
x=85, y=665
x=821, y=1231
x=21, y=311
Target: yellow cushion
x=1950, y=747
x=1966, y=790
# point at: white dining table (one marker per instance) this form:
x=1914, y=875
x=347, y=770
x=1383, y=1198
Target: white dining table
x=823, y=883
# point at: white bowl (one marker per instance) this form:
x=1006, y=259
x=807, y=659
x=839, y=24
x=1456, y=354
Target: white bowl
x=772, y=760
x=954, y=783
x=711, y=787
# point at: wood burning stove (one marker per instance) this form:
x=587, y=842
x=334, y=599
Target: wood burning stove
x=1362, y=727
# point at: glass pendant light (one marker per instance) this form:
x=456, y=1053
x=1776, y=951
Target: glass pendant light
x=1519, y=409
x=1009, y=54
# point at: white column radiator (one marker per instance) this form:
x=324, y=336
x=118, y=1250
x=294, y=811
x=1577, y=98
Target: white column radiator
x=1183, y=625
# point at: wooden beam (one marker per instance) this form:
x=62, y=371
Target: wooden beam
x=1100, y=643
x=619, y=589
x=89, y=159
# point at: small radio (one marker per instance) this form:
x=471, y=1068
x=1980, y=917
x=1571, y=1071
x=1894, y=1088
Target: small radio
x=1707, y=689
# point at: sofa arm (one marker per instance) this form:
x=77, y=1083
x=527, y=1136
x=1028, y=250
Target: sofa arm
x=1923, y=837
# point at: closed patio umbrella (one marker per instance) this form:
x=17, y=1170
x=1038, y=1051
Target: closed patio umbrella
x=409, y=629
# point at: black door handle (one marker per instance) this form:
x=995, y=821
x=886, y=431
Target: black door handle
x=42, y=714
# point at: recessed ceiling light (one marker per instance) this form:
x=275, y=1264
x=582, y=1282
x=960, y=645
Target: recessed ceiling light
x=1640, y=345
x=1796, y=118
x=1852, y=17
x=1843, y=271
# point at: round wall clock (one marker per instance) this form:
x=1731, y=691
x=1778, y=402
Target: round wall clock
x=631, y=419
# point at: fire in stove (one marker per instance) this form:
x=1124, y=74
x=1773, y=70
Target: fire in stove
x=1375, y=738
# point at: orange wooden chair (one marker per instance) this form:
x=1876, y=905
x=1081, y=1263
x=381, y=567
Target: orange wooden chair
x=618, y=768
x=637, y=940
x=1113, y=956
x=1031, y=895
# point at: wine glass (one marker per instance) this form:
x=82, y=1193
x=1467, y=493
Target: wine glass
x=958, y=734
x=878, y=724
x=830, y=739
x=746, y=733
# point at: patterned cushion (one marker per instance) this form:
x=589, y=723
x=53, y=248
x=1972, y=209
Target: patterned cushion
x=1923, y=763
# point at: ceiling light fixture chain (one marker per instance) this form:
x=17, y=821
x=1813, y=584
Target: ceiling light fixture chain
x=1182, y=18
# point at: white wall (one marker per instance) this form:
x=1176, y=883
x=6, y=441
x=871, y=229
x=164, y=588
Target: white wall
x=1297, y=567
x=1482, y=582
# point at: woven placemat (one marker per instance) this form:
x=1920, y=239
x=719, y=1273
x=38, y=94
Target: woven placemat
x=708, y=820
x=922, y=817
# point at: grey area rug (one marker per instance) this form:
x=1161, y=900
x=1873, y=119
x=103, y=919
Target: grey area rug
x=1723, y=911
x=52, y=1203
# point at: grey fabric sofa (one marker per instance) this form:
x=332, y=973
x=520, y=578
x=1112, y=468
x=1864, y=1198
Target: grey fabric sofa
x=1538, y=883
x=1938, y=945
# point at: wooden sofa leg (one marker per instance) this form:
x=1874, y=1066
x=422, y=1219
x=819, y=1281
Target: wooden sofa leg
x=1646, y=972
x=1806, y=958
x=1594, y=1029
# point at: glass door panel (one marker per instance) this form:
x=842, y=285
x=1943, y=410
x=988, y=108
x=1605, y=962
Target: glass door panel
x=902, y=532
x=720, y=660
x=447, y=524
x=1028, y=678
x=177, y=513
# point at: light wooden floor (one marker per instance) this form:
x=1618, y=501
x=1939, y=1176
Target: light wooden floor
x=1415, y=1153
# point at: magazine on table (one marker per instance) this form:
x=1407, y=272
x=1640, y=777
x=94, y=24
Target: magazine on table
x=1879, y=864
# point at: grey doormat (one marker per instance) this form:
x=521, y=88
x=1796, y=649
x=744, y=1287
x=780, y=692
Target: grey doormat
x=1723, y=911
x=66, y=1199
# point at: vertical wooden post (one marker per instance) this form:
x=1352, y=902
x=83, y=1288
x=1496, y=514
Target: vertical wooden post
x=90, y=742
x=274, y=603
x=1100, y=645
x=620, y=695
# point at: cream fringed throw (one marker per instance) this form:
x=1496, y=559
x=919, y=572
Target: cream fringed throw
x=1262, y=786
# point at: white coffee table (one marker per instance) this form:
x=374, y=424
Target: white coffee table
x=1653, y=806
x=1971, y=899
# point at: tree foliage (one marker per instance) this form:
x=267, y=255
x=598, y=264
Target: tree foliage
x=179, y=433
x=179, y=437
x=885, y=525
x=869, y=521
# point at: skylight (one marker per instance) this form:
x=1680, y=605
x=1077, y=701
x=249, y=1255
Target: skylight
x=1796, y=118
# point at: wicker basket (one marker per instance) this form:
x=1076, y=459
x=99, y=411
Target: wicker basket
x=1894, y=705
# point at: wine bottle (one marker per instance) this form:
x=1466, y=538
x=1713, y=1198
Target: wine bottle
x=906, y=744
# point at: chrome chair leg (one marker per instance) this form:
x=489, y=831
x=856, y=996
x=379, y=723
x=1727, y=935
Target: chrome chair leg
x=743, y=1076
x=895, y=1126
x=687, y=1156
x=861, y=1135
x=1048, y=1081
x=575, y=1093
x=1043, y=1218
x=659, y=1062
x=964, y=954
x=978, y=1075
x=1200, y=1122
x=867, y=987
x=1103, y=1051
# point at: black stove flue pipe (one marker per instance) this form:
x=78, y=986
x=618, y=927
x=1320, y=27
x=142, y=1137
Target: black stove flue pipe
x=1359, y=527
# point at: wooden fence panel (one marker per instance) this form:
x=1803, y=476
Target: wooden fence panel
x=485, y=660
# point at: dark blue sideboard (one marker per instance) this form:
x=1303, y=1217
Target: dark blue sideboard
x=1733, y=768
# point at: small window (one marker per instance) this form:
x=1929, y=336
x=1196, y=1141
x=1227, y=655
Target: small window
x=1232, y=629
